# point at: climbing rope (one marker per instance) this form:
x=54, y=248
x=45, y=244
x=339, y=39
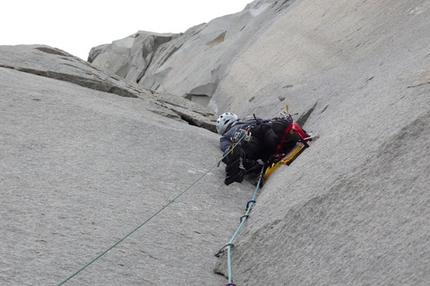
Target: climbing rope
x=243, y=218
x=151, y=217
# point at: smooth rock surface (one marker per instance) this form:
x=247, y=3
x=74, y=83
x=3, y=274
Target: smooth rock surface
x=54, y=63
x=81, y=167
x=190, y=64
x=353, y=208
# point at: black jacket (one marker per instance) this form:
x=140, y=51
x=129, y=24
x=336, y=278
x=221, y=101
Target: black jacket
x=263, y=141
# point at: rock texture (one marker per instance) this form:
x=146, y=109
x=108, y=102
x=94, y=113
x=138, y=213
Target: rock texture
x=191, y=64
x=352, y=209
x=82, y=166
x=57, y=64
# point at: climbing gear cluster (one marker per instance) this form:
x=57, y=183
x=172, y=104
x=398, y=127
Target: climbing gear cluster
x=283, y=156
x=294, y=141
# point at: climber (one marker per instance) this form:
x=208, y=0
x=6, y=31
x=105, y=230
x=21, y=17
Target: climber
x=247, y=145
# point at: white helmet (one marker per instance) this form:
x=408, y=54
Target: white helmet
x=224, y=121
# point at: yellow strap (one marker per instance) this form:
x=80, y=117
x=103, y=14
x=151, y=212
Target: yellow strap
x=293, y=153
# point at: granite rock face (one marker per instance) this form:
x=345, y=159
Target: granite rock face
x=86, y=156
x=352, y=209
x=54, y=63
x=85, y=159
x=190, y=64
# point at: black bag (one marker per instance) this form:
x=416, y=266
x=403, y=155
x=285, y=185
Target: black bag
x=283, y=140
x=279, y=125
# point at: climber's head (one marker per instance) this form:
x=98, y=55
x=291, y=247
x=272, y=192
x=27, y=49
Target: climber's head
x=224, y=122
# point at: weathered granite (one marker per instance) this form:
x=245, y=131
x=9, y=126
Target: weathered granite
x=54, y=63
x=193, y=63
x=354, y=208
x=81, y=167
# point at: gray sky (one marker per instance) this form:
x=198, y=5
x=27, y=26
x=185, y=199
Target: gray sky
x=77, y=26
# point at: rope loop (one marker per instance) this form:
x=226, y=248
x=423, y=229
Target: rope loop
x=249, y=202
x=242, y=222
x=245, y=216
x=221, y=251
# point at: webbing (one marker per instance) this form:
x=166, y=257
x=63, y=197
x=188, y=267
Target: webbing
x=243, y=218
x=150, y=218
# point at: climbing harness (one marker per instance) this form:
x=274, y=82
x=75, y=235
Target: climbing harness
x=243, y=218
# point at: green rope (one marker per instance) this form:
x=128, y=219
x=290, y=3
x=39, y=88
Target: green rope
x=151, y=217
x=242, y=222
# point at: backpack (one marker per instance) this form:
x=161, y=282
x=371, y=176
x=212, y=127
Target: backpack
x=279, y=125
x=288, y=134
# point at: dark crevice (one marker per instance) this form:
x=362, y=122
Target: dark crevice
x=189, y=120
x=324, y=109
x=304, y=117
x=51, y=51
x=198, y=123
x=82, y=81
